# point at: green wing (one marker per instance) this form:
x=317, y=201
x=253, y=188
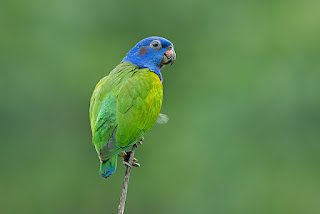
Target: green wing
x=124, y=105
x=139, y=103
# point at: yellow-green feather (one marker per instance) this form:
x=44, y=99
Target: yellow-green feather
x=124, y=106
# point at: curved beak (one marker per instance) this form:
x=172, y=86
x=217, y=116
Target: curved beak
x=168, y=57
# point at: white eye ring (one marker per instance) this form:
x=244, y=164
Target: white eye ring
x=156, y=44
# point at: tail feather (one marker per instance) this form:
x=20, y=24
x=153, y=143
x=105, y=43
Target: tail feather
x=108, y=167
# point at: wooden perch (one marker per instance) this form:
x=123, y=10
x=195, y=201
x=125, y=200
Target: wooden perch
x=124, y=190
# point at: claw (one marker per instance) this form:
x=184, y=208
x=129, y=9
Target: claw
x=126, y=156
x=135, y=162
x=127, y=164
x=141, y=141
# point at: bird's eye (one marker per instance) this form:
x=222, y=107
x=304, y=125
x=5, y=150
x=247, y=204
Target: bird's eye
x=156, y=44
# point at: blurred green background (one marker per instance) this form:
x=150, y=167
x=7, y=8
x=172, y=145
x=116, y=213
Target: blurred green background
x=243, y=99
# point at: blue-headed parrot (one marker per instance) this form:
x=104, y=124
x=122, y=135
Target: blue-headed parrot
x=126, y=103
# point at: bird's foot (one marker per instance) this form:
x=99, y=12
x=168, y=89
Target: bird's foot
x=134, y=163
x=126, y=157
x=141, y=141
x=126, y=164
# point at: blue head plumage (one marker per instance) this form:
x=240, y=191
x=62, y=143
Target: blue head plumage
x=153, y=53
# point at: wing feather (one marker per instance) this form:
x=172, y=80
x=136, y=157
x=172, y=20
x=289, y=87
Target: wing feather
x=124, y=105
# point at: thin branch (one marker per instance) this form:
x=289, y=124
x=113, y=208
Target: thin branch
x=126, y=181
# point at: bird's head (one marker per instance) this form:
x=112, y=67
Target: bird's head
x=153, y=53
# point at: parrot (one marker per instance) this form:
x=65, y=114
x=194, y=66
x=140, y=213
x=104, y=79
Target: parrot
x=126, y=103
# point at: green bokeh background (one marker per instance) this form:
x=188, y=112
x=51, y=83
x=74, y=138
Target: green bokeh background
x=243, y=99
